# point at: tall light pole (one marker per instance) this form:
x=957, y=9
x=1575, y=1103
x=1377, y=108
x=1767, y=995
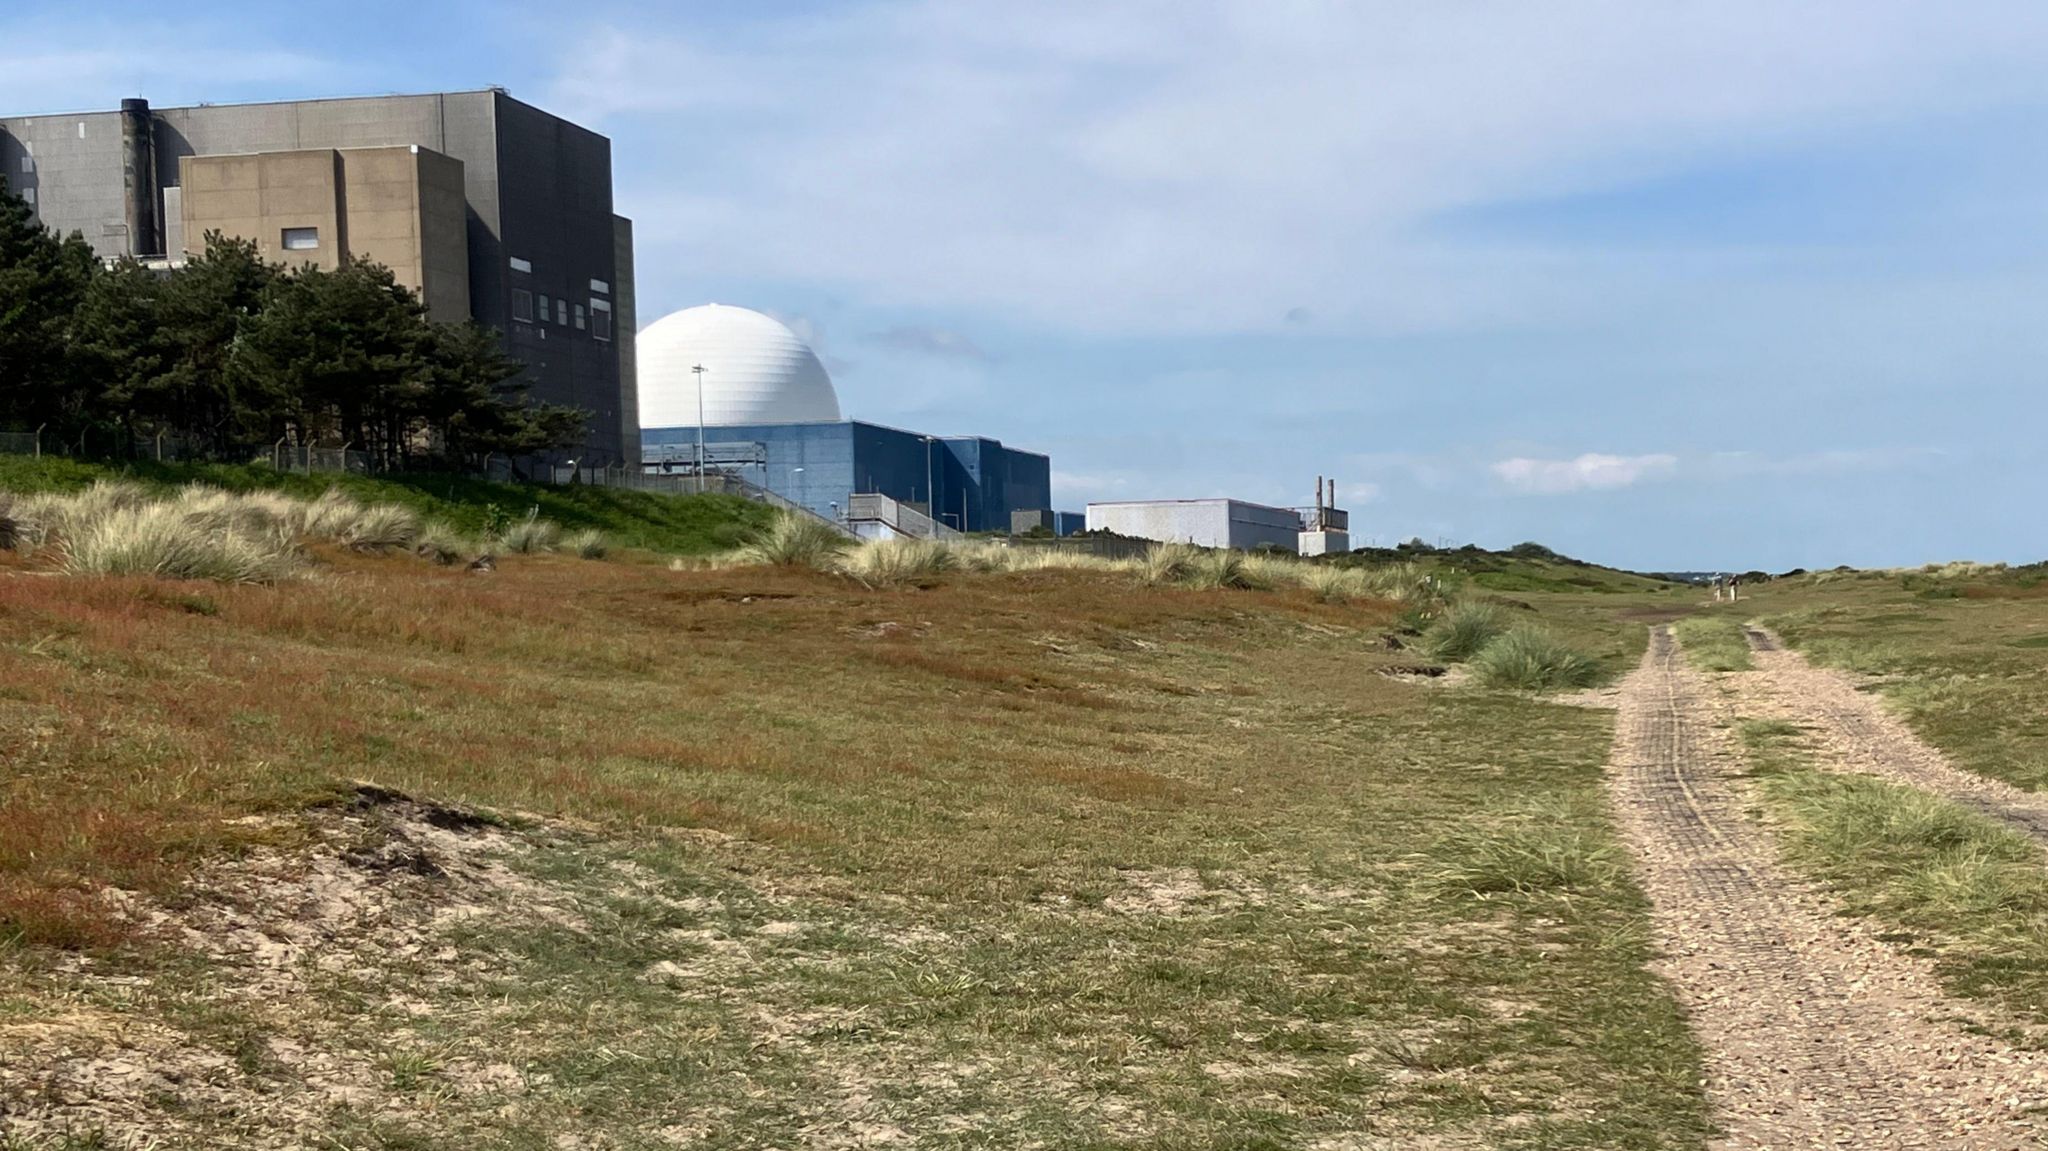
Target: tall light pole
x=699, y=370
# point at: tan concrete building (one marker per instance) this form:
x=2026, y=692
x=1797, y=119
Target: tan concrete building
x=526, y=194
x=402, y=207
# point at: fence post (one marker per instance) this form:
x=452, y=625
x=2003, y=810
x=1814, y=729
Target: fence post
x=39, y=439
x=159, y=447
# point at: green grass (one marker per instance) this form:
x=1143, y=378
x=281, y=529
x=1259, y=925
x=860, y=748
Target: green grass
x=1969, y=672
x=677, y=524
x=1960, y=886
x=1714, y=642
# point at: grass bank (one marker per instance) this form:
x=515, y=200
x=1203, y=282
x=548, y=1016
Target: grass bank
x=1036, y=857
x=682, y=525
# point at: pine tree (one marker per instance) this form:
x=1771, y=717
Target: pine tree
x=42, y=280
x=205, y=308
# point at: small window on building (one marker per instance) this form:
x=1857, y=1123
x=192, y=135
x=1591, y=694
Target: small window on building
x=28, y=164
x=600, y=287
x=562, y=312
x=519, y=265
x=579, y=317
x=28, y=196
x=600, y=320
x=547, y=308
x=522, y=305
x=301, y=239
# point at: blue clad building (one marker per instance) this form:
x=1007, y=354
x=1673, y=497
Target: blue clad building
x=969, y=483
x=769, y=415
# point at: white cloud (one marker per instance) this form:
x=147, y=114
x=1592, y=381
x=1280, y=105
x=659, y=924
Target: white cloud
x=1589, y=472
x=1169, y=167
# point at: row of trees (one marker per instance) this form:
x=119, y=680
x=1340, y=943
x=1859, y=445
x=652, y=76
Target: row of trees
x=228, y=352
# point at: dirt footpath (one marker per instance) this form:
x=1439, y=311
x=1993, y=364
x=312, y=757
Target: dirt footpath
x=1816, y=1033
x=1853, y=732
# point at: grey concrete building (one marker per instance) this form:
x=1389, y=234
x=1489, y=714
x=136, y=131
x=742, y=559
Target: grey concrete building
x=538, y=253
x=1209, y=523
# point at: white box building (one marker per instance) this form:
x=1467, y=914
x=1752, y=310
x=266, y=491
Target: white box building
x=1216, y=523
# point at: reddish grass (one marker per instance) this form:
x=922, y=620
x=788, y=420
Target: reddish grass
x=145, y=716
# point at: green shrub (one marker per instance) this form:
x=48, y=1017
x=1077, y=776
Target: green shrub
x=792, y=540
x=1530, y=659
x=1464, y=630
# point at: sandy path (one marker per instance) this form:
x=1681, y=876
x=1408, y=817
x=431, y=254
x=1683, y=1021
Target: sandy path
x=1853, y=732
x=1816, y=1033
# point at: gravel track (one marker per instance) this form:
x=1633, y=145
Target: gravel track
x=1854, y=732
x=1816, y=1033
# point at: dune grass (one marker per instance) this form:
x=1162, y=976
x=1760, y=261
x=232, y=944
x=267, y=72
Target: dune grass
x=1464, y=629
x=203, y=532
x=588, y=543
x=530, y=534
x=160, y=539
x=896, y=563
x=790, y=540
x=1528, y=658
x=691, y=525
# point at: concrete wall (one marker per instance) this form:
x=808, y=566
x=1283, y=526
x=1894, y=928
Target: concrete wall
x=258, y=197
x=401, y=207
x=1217, y=523
x=72, y=168
x=443, y=223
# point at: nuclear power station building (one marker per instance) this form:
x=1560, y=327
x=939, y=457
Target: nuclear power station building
x=493, y=210
x=489, y=208
x=756, y=398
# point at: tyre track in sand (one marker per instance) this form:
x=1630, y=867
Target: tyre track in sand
x=1816, y=1033
x=1854, y=732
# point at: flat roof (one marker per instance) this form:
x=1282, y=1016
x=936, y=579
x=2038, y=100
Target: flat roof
x=1203, y=500
x=487, y=90
x=691, y=429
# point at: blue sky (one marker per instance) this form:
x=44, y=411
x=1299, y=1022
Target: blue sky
x=1663, y=285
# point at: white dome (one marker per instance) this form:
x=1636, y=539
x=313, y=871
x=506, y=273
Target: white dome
x=756, y=371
